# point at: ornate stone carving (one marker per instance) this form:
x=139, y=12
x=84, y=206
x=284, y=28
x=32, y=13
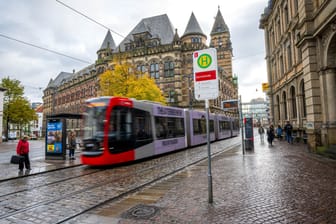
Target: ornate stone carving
x=329, y=32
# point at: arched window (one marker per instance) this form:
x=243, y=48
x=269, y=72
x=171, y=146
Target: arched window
x=278, y=103
x=294, y=109
x=302, y=88
x=154, y=70
x=141, y=68
x=284, y=100
x=195, y=40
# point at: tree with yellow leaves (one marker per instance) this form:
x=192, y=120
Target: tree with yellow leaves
x=127, y=81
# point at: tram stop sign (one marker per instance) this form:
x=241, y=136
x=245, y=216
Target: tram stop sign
x=205, y=74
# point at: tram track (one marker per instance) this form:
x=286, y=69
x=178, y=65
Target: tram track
x=7, y=187
x=95, y=189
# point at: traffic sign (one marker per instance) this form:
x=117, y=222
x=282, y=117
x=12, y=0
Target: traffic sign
x=205, y=74
x=265, y=87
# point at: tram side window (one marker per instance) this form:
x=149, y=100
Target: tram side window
x=235, y=124
x=224, y=125
x=169, y=127
x=199, y=126
x=142, y=126
x=212, y=126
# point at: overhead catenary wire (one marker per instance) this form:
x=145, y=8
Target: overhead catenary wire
x=43, y=48
x=248, y=56
x=106, y=27
x=89, y=18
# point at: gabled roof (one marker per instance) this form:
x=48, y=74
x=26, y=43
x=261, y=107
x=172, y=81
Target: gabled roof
x=108, y=42
x=219, y=25
x=157, y=26
x=193, y=27
x=66, y=76
x=63, y=76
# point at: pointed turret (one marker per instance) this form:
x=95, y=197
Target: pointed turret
x=108, y=42
x=219, y=25
x=193, y=28
x=176, y=37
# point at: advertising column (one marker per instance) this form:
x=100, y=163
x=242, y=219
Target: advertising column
x=55, y=139
x=249, y=138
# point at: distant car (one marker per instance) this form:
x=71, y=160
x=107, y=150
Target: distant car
x=11, y=135
x=3, y=138
x=33, y=137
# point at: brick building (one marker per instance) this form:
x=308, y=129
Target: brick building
x=300, y=39
x=153, y=46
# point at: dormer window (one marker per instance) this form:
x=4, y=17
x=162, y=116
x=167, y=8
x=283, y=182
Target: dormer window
x=195, y=40
x=140, y=42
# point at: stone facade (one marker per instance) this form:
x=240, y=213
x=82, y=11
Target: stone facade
x=300, y=39
x=153, y=46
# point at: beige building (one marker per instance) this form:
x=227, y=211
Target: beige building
x=300, y=38
x=153, y=46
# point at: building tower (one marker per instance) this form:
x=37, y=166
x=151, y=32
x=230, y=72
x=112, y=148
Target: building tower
x=220, y=39
x=193, y=39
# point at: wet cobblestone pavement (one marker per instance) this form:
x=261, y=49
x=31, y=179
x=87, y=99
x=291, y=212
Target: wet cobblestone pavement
x=280, y=184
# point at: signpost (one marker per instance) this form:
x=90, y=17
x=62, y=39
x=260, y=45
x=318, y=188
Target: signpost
x=206, y=88
x=205, y=74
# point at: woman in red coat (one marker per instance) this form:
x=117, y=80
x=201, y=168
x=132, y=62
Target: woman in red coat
x=22, y=149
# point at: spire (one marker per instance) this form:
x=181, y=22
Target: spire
x=176, y=36
x=193, y=27
x=108, y=42
x=219, y=25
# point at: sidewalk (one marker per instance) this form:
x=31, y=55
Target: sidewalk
x=279, y=184
x=37, y=159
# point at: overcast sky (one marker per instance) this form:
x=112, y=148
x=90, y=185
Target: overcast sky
x=49, y=24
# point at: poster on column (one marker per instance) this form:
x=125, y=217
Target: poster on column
x=248, y=128
x=54, y=136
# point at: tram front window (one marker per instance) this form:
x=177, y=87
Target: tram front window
x=94, y=123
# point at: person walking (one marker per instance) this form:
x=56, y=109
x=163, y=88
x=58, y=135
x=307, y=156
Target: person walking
x=72, y=145
x=279, y=132
x=288, y=130
x=22, y=149
x=261, y=132
x=270, y=135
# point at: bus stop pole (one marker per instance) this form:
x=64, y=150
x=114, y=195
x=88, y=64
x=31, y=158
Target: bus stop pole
x=241, y=124
x=209, y=153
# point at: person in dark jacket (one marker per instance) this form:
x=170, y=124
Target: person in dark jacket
x=270, y=135
x=288, y=130
x=22, y=149
x=72, y=145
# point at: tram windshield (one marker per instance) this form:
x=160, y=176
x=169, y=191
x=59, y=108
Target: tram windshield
x=95, y=118
x=124, y=128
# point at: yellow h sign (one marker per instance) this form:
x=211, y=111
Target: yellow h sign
x=265, y=87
